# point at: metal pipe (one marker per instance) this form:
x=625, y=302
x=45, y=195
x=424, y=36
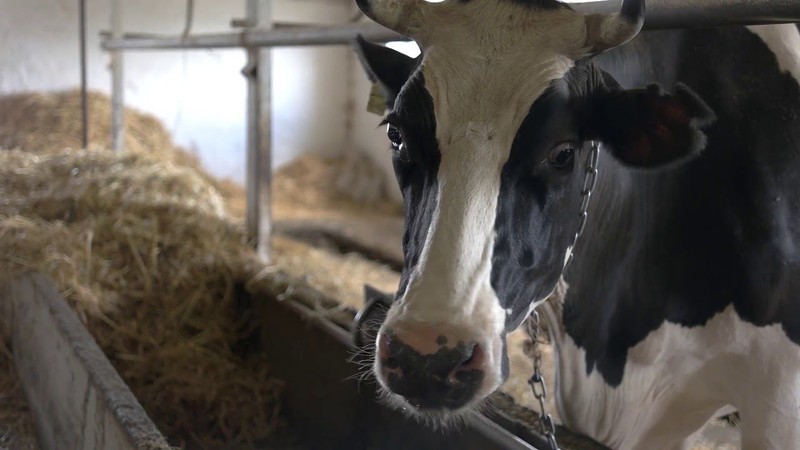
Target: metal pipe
x=660, y=14
x=295, y=36
x=705, y=13
x=187, y=27
x=84, y=88
x=259, y=132
x=117, y=82
x=664, y=14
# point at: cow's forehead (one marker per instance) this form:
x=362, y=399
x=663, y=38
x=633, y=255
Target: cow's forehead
x=495, y=93
x=491, y=26
x=485, y=63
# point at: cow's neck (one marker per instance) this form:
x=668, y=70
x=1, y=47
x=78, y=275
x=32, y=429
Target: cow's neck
x=681, y=245
x=689, y=261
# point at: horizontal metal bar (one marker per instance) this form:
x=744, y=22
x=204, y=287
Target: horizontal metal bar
x=662, y=14
x=294, y=36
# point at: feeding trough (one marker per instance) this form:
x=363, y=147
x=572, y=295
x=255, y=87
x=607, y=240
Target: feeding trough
x=79, y=401
x=77, y=398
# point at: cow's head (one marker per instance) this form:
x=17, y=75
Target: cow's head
x=490, y=131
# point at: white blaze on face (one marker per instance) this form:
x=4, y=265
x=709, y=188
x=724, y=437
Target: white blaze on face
x=485, y=64
x=784, y=41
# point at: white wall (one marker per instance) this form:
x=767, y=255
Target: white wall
x=199, y=94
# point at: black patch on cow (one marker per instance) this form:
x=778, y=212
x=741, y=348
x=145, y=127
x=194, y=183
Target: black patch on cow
x=416, y=166
x=684, y=244
x=537, y=204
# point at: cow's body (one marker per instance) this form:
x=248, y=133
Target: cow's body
x=684, y=290
x=684, y=295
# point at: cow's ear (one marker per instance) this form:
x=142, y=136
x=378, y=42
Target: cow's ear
x=385, y=66
x=649, y=128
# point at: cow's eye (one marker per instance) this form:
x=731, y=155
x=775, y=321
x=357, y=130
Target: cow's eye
x=394, y=136
x=562, y=156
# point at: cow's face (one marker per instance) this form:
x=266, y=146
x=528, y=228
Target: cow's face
x=491, y=129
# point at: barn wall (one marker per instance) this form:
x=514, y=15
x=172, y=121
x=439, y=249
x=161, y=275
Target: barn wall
x=199, y=94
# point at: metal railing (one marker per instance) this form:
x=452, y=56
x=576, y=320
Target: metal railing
x=257, y=33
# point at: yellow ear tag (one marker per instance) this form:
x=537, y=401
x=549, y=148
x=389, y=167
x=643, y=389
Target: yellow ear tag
x=377, y=101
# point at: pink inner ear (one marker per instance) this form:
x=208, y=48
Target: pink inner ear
x=663, y=132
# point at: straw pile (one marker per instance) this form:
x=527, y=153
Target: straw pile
x=144, y=251
x=307, y=188
x=50, y=122
x=40, y=122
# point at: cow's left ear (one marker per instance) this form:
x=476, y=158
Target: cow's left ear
x=649, y=128
x=389, y=68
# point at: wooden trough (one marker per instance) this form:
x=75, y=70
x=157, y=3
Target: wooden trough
x=78, y=400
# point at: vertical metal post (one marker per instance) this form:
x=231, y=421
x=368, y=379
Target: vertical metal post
x=259, y=131
x=84, y=88
x=117, y=82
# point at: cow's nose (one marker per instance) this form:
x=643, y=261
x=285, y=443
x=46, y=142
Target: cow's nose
x=430, y=368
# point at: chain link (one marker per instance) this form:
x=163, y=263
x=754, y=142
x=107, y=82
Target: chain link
x=537, y=380
x=589, y=183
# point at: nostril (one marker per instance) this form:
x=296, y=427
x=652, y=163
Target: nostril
x=471, y=366
x=471, y=358
x=385, y=349
x=469, y=355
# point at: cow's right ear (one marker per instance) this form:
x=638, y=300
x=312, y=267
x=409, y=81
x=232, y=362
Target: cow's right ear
x=650, y=128
x=385, y=66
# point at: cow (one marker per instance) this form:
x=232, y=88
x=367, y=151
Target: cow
x=684, y=288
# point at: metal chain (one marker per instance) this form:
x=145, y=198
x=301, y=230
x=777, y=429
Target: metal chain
x=589, y=183
x=537, y=381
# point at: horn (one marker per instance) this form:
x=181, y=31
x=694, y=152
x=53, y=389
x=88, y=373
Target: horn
x=401, y=16
x=606, y=31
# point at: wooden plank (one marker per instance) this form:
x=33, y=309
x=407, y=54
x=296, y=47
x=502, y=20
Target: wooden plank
x=77, y=399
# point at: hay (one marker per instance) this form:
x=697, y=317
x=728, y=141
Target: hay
x=149, y=257
x=338, y=276
x=46, y=123
x=144, y=251
x=307, y=188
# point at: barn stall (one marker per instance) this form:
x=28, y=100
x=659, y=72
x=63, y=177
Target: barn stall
x=226, y=314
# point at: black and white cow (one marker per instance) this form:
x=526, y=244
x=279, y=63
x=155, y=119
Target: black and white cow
x=684, y=290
